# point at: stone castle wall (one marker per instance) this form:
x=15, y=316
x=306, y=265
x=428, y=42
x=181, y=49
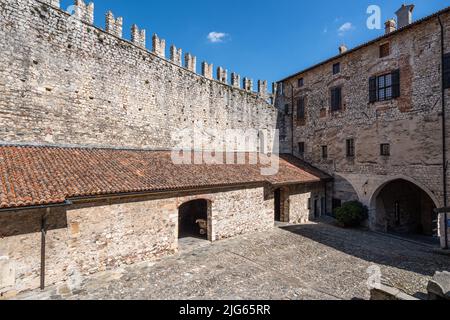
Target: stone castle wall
x=411, y=124
x=65, y=82
x=92, y=237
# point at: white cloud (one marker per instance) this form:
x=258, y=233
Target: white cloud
x=216, y=37
x=345, y=28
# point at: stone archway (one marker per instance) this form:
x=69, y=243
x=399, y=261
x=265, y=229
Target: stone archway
x=403, y=206
x=194, y=219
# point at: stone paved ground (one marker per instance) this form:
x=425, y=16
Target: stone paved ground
x=314, y=261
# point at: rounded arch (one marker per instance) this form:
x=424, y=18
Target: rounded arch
x=344, y=189
x=402, y=205
x=194, y=219
x=383, y=184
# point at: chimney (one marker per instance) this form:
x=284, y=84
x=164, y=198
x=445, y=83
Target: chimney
x=404, y=15
x=342, y=49
x=390, y=26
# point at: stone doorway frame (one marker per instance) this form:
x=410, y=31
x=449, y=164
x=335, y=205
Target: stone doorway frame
x=210, y=234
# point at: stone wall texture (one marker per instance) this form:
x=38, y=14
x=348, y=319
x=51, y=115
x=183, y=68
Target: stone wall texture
x=88, y=238
x=66, y=82
x=411, y=124
x=302, y=200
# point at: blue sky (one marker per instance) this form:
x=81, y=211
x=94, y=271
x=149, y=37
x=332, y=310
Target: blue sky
x=260, y=39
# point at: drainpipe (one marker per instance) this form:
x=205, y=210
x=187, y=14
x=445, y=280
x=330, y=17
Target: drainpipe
x=43, y=239
x=292, y=117
x=444, y=138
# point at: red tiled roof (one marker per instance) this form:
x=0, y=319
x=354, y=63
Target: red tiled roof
x=31, y=176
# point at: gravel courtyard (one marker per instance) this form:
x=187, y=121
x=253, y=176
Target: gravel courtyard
x=313, y=261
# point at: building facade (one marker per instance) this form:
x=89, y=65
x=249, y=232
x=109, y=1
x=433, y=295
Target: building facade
x=376, y=119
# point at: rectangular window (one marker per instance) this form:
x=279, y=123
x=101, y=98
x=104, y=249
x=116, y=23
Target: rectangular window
x=385, y=149
x=336, y=99
x=324, y=152
x=384, y=87
x=336, y=68
x=301, y=109
x=350, y=148
x=300, y=82
x=281, y=89
x=385, y=50
x=301, y=148
x=446, y=70
x=287, y=109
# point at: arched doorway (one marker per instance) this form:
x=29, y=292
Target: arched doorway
x=193, y=219
x=402, y=207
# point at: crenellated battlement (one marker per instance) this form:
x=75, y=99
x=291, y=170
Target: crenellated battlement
x=84, y=12
x=190, y=62
x=114, y=26
x=207, y=70
x=262, y=88
x=120, y=92
x=138, y=36
x=159, y=46
x=235, y=80
x=176, y=55
x=222, y=75
x=248, y=84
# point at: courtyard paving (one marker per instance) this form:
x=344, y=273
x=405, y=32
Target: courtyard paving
x=315, y=261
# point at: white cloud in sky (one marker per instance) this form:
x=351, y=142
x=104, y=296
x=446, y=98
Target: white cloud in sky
x=217, y=37
x=345, y=28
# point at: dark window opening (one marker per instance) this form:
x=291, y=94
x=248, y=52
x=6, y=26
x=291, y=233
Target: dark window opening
x=336, y=68
x=385, y=149
x=300, y=82
x=193, y=219
x=324, y=152
x=350, y=148
x=287, y=109
x=301, y=109
x=323, y=206
x=446, y=70
x=336, y=99
x=385, y=50
x=384, y=87
x=336, y=203
x=278, y=208
x=301, y=148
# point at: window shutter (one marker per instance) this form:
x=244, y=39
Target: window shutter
x=333, y=99
x=373, y=89
x=396, y=83
x=339, y=98
x=446, y=71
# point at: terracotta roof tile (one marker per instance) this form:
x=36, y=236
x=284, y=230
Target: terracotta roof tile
x=31, y=176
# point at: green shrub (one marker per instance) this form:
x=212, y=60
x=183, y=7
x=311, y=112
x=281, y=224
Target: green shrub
x=351, y=214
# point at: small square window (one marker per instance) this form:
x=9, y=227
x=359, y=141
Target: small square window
x=301, y=148
x=350, y=148
x=385, y=50
x=300, y=82
x=324, y=152
x=336, y=68
x=385, y=149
